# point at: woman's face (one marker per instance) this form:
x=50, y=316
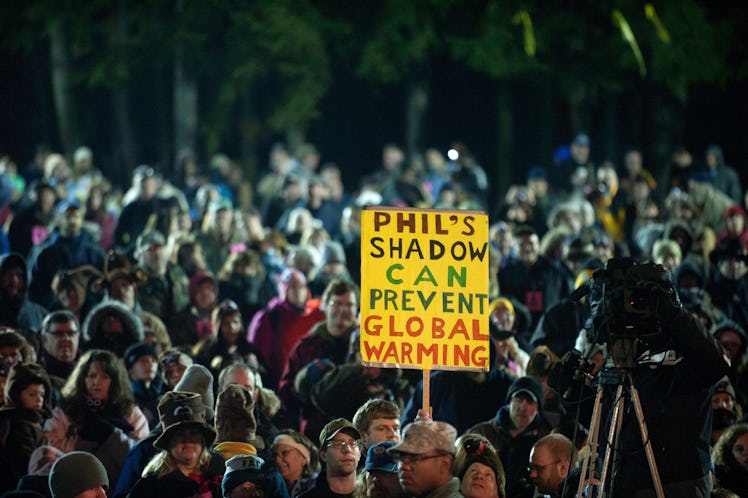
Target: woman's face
x=479, y=482
x=290, y=462
x=97, y=382
x=740, y=451
x=185, y=446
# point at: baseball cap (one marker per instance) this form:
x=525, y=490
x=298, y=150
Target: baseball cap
x=332, y=428
x=527, y=385
x=421, y=437
x=377, y=458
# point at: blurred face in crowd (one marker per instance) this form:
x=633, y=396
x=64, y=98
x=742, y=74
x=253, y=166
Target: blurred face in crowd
x=528, y=246
x=45, y=200
x=297, y=292
x=382, y=484
x=97, y=492
x=224, y=221
x=231, y=325
x=33, y=397
x=546, y=471
x=724, y=401
x=290, y=462
x=13, y=281
x=341, y=313
x=732, y=343
x=61, y=342
x=10, y=355
x=144, y=369
x=735, y=223
x=123, y=290
x=479, y=481
x=740, y=451
x=633, y=162
x=71, y=222
x=522, y=410
x=242, y=377
x=206, y=295
x=580, y=153
x=97, y=382
x=148, y=187
x=154, y=258
x=733, y=268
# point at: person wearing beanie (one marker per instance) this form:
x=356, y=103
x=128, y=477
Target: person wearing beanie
x=515, y=428
x=250, y=475
x=235, y=423
x=184, y=466
x=78, y=475
x=27, y=404
x=298, y=460
x=141, y=362
x=478, y=468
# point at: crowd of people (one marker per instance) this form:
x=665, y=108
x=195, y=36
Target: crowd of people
x=198, y=335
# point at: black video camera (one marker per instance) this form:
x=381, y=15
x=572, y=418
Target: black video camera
x=628, y=305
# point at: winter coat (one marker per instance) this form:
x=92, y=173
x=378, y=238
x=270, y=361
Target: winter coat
x=19, y=313
x=461, y=399
x=102, y=436
x=60, y=253
x=276, y=330
x=514, y=452
x=177, y=485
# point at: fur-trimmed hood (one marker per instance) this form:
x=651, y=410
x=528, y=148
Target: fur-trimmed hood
x=131, y=323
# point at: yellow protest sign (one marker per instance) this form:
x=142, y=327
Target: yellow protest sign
x=424, y=289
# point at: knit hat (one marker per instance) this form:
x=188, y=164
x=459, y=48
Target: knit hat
x=474, y=448
x=421, y=437
x=229, y=449
x=198, y=379
x=235, y=420
x=494, y=328
x=148, y=239
x=733, y=210
x=76, y=472
x=117, y=265
x=251, y=468
x=725, y=386
x=137, y=351
x=377, y=458
x=529, y=386
x=182, y=410
x=173, y=357
x=333, y=427
x=728, y=249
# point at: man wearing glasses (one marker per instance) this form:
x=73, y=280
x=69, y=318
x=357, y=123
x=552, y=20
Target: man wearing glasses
x=340, y=453
x=550, y=462
x=60, y=339
x=425, y=458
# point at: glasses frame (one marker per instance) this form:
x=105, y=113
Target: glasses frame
x=413, y=460
x=344, y=445
x=540, y=468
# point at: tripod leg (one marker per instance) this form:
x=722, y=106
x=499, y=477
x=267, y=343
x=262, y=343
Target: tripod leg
x=614, y=423
x=647, y=443
x=590, y=458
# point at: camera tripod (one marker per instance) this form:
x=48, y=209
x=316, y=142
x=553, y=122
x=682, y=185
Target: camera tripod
x=624, y=381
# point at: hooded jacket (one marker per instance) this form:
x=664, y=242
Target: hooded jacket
x=94, y=337
x=21, y=428
x=19, y=313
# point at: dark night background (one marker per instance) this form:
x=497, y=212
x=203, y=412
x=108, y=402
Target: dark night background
x=512, y=111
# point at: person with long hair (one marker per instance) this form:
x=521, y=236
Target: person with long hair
x=97, y=412
x=185, y=466
x=730, y=457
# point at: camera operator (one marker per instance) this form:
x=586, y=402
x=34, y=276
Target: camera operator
x=652, y=345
